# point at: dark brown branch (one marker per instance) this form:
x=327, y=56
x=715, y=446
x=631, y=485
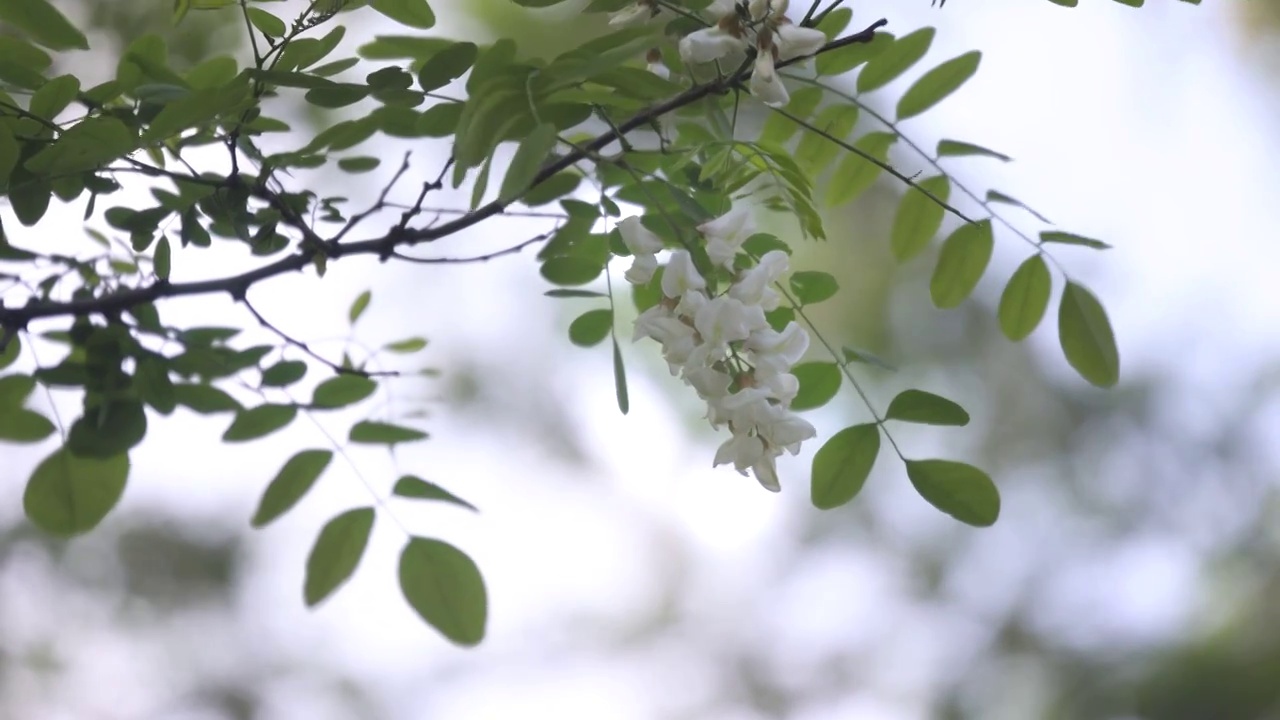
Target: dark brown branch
x=237, y=285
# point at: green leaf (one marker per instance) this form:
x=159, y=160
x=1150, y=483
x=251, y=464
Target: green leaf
x=358, y=306
x=812, y=286
x=447, y=65
x=343, y=390
x=257, y=422
x=1066, y=238
x=445, y=588
x=894, y=60
x=778, y=128
x=406, y=346
x=841, y=61
x=528, y=160
x=819, y=382
x=842, y=464
x=1086, y=338
x=591, y=328
x=370, y=432
x=284, y=373
x=919, y=217
x=955, y=148
x=961, y=263
x=109, y=429
x=620, y=380
x=69, y=495
x=204, y=399
x=415, y=488
x=24, y=426
x=360, y=164
x=855, y=174
x=816, y=150
x=10, y=350
x=85, y=146
x=995, y=196
x=269, y=24
x=414, y=13
x=54, y=96
x=14, y=390
x=918, y=406
x=569, y=293
x=1025, y=298
x=336, y=553
x=162, y=259
x=43, y=23
x=570, y=270
x=337, y=95
x=937, y=84
x=293, y=481
x=962, y=491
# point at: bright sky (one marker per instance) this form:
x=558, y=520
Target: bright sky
x=1139, y=127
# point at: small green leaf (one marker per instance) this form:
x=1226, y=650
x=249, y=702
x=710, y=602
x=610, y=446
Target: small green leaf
x=864, y=357
x=109, y=429
x=54, y=96
x=360, y=164
x=779, y=128
x=955, y=148
x=204, y=399
x=918, y=406
x=43, y=23
x=14, y=390
x=570, y=270
x=591, y=328
x=919, y=217
x=962, y=491
x=269, y=24
x=527, y=161
x=343, y=390
x=937, y=84
x=567, y=293
x=24, y=426
x=415, y=488
x=284, y=373
x=842, y=60
x=995, y=196
x=1025, y=298
x=1086, y=337
x=257, y=422
x=370, y=432
x=414, y=13
x=812, y=286
x=162, y=258
x=11, y=349
x=293, y=481
x=842, y=464
x=69, y=495
x=446, y=66
x=1066, y=238
x=445, y=588
x=406, y=346
x=894, y=60
x=961, y=263
x=819, y=382
x=358, y=306
x=336, y=553
x=620, y=380
x=855, y=174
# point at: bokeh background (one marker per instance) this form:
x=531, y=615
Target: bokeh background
x=1133, y=572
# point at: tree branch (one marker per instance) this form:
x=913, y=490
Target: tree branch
x=16, y=319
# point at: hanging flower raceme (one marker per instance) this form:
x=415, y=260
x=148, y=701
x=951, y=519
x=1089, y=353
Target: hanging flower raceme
x=722, y=345
x=766, y=29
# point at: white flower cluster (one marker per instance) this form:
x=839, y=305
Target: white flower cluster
x=764, y=26
x=722, y=345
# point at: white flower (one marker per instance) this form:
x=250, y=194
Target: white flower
x=765, y=83
x=710, y=383
x=636, y=12
x=767, y=474
x=775, y=352
x=708, y=44
x=639, y=239
x=681, y=276
x=784, y=429
x=726, y=234
x=753, y=288
x=743, y=451
x=690, y=302
x=793, y=41
x=723, y=320
x=780, y=386
x=642, y=269
x=744, y=410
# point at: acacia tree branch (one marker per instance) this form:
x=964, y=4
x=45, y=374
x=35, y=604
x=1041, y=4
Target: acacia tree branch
x=18, y=318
